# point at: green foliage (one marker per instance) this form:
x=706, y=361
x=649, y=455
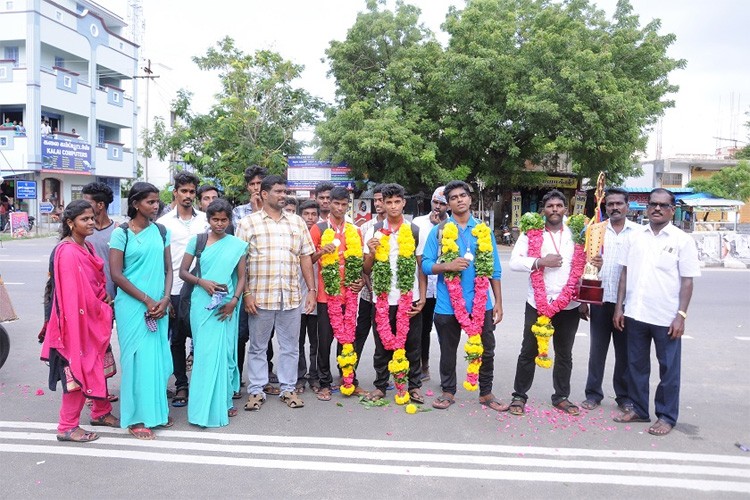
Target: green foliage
x=577, y=225
x=732, y=183
x=252, y=121
x=520, y=80
x=532, y=78
x=405, y=267
x=352, y=270
x=331, y=279
x=386, y=123
x=381, y=277
x=530, y=220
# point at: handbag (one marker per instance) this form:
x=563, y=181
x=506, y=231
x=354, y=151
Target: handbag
x=186, y=292
x=7, y=313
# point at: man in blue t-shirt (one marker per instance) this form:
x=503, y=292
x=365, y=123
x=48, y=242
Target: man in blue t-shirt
x=448, y=328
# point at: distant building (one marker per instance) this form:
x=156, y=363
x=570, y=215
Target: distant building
x=66, y=65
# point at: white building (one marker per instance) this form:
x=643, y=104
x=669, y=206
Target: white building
x=65, y=63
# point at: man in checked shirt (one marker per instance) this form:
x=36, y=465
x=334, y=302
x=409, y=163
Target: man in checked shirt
x=279, y=248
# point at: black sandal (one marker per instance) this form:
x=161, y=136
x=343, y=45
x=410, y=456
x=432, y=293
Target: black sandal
x=180, y=398
x=517, y=406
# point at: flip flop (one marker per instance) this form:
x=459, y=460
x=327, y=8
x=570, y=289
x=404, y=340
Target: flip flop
x=232, y=412
x=517, y=407
x=179, y=401
x=443, y=402
x=324, y=394
x=271, y=390
x=495, y=404
x=416, y=396
x=141, y=432
x=660, y=428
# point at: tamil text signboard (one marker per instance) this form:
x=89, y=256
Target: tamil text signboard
x=305, y=171
x=26, y=190
x=66, y=156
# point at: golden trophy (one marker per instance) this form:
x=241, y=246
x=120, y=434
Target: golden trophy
x=590, y=289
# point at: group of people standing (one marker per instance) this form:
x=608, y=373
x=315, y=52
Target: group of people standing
x=234, y=278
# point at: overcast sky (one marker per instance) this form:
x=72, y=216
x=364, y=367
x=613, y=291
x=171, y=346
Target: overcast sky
x=712, y=36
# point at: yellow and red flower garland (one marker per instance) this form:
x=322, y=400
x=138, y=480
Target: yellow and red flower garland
x=471, y=324
x=343, y=323
x=533, y=225
x=406, y=264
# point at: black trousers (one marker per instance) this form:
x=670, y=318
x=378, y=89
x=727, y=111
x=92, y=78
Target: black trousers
x=308, y=327
x=428, y=311
x=566, y=326
x=413, y=349
x=364, y=322
x=325, y=340
x=449, y=336
x=602, y=330
x=178, y=334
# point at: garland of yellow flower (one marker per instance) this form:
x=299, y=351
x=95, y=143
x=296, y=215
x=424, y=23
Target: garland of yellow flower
x=472, y=325
x=406, y=265
x=343, y=325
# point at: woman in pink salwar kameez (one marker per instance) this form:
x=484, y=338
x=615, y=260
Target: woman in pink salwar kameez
x=79, y=328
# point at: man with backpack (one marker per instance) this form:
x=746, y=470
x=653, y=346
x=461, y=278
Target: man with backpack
x=183, y=222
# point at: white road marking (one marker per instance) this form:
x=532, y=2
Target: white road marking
x=401, y=470
x=742, y=338
x=412, y=445
x=412, y=457
x=13, y=283
x=19, y=260
x=688, y=337
x=582, y=334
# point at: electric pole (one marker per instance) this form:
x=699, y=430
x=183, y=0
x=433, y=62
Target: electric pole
x=148, y=76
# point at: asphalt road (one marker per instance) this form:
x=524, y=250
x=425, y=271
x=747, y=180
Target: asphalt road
x=342, y=449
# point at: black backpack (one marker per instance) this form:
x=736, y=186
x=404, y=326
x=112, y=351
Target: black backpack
x=186, y=292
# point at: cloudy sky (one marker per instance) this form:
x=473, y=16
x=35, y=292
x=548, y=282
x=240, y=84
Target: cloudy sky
x=712, y=36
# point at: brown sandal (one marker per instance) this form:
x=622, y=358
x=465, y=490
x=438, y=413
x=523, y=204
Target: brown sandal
x=375, y=395
x=416, y=396
x=141, y=432
x=517, y=407
x=80, y=437
x=324, y=394
x=107, y=420
x=254, y=402
x=660, y=428
x=494, y=404
x=444, y=401
x=292, y=400
x=566, y=406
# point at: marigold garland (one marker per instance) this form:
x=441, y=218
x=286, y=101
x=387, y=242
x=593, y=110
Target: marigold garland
x=343, y=323
x=533, y=226
x=406, y=265
x=484, y=263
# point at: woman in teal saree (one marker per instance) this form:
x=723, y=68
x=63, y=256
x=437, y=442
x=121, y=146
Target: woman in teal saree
x=141, y=268
x=214, y=318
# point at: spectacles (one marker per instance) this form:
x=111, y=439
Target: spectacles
x=663, y=206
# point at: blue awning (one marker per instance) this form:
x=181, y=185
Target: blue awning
x=634, y=205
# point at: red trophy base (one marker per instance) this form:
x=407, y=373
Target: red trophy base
x=591, y=292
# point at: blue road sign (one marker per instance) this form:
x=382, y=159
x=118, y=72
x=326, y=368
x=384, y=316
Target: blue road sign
x=26, y=190
x=46, y=207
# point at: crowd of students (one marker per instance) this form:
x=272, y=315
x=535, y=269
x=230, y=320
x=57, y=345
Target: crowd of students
x=234, y=278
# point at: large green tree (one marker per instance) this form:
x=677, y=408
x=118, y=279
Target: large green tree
x=252, y=121
x=385, y=121
x=520, y=80
x=532, y=78
x=732, y=183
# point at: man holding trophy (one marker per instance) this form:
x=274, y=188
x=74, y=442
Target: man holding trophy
x=603, y=244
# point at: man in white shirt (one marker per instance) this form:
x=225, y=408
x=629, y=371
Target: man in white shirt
x=184, y=222
x=656, y=284
x=394, y=201
x=555, y=259
x=601, y=326
x=425, y=223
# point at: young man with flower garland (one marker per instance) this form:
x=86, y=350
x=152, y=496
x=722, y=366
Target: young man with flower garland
x=338, y=251
x=279, y=249
x=656, y=284
x=364, y=314
x=392, y=259
x=463, y=253
x=547, y=253
x=425, y=223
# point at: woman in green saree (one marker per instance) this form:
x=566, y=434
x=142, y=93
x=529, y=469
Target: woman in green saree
x=214, y=318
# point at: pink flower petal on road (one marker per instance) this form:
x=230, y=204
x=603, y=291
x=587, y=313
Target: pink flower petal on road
x=39, y=392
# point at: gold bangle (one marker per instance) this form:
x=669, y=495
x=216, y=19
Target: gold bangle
x=683, y=314
x=245, y=294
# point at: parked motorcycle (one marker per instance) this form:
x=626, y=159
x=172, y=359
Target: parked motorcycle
x=4, y=345
x=507, y=234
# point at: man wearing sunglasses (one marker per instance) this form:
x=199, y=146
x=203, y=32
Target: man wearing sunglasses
x=656, y=283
